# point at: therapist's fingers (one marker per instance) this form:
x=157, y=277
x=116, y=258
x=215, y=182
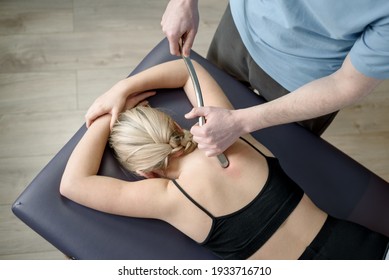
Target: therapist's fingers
x=220, y=131
x=188, y=42
x=180, y=19
x=204, y=144
x=174, y=45
x=197, y=112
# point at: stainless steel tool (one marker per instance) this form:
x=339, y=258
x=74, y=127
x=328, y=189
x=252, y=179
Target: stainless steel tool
x=192, y=73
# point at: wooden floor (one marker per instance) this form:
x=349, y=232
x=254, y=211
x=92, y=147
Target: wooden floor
x=57, y=56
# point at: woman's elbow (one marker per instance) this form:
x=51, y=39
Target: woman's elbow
x=66, y=186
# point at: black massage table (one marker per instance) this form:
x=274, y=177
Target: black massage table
x=334, y=181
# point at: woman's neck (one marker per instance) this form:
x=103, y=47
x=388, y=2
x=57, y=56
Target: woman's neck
x=176, y=165
x=173, y=170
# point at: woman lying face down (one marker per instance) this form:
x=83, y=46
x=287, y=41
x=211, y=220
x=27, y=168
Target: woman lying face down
x=251, y=209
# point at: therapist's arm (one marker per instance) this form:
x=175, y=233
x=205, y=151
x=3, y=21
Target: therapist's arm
x=320, y=97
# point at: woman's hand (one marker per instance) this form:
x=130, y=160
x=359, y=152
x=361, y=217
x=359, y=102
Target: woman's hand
x=113, y=102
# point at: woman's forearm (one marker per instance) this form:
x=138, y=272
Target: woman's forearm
x=174, y=74
x=170, y=74
x=86, y=157
x=114, y=101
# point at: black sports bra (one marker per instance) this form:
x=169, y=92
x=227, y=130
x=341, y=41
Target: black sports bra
x=240, y=234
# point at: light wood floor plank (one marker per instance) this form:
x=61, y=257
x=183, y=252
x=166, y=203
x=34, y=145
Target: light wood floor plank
x=37, y=92
x=38, y=16
x=92, y=83
x=118, y=15
x=36, y=22
x=362, y=131
x=368, y=115
x=34, y=5
x=37, y=134
x=64, y=51
x=53, y=254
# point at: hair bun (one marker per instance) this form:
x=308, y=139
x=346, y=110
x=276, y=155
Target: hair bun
x=187, y=142
x=182, y=141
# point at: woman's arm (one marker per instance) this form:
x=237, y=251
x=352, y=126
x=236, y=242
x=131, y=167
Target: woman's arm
x=171, y=74
x=80, y=182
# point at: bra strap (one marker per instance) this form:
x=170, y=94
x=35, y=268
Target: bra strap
x=255, y=148
x=192, y=200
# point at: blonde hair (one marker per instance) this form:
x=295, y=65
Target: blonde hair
x=144, y=139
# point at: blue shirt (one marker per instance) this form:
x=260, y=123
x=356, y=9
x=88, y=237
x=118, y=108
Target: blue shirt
x=297, y=41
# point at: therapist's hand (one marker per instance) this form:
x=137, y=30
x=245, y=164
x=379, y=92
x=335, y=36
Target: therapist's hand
x=180, y=20
x=220, y=131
